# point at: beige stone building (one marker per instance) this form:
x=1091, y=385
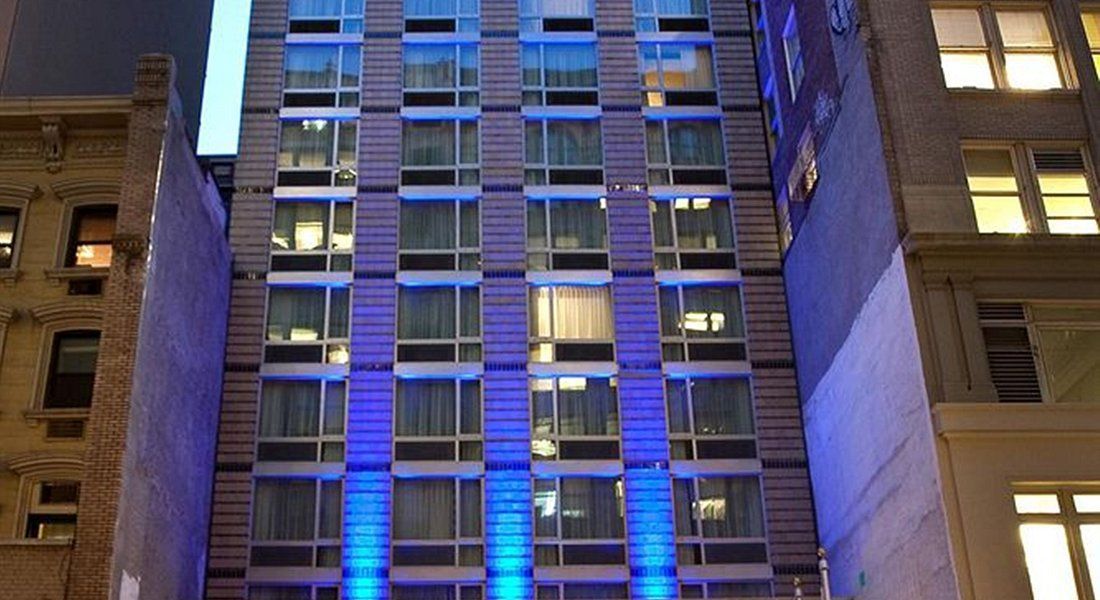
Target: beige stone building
x=113, y=288
x=937, y=166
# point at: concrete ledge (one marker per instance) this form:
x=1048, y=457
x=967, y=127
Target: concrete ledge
x=1063, y=420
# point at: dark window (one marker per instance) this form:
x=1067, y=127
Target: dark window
x=90, y=236
x=9, y=224
x=72, y=369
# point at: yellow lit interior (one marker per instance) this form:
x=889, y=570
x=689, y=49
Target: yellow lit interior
x=1032, y=71
x=1036, y=504
x=1087, y=503
x=966, y=70
x=309, y=235
x=1046, y=552
x=999, y=214
x=1090, y=539
x=1091, y=20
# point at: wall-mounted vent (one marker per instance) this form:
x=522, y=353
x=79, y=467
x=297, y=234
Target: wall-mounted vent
x=1059, y=160
x=65, y=429
x=1009, y=352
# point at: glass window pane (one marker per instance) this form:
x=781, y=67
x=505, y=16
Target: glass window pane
x=1067, y=206
x=429, y=66
x=536, y=224
x=990, y=171
x=77, y=354
x=470, y=508
x=578, y=224
x=683, y=503
x=295, y=314
x=351, y=66
x=300, y=226
x=1036, y=504
x=533, y=142
x=425, y=313
x=1071, y=362
x=1046, y=552
x=1024, y=29
x=427, y=509
x=427, y=225
x=704, y=223
x=347, y=144
x=650, y=74
x=469, y=226
x=342, y=224
x=428, y=143
x=677, y=398
x=730, y=507
x=532, y=71
x=284, y=509
x=332, y=508
x=423, y=8
x=569, y=65
x=311, y=66
x=712, y=311
x=471, y=406
x=695, y=143
x=542, y=406
x=1032, y=71
x=966, y=70
x=722, y=406
x=335, y=394
x=662, y=223
x=470, y=304
x=546, y=508
x=539, y=309
x=687, y=66
x=306, y=143
x=587, y=406
x=468, y=142
x=1087, y=504
x=574, y=142
x=591, y=508
x=339, y=313
x=582, y=312
x=424, y=407
x=999, y=214
x=314, y=8
x=1091, y=21
x=290, y=408
x=1090, y=539
x=670, y=310
x=958, y=27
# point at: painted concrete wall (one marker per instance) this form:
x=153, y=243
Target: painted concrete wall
x=872, y=458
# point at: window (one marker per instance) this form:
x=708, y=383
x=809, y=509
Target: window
x=429, y=16
x=293, y=592
x=436, y=591
x=302, y=420
x=9, y=225
x=439, y=152
x=719, y=520
x=440, y=74
x=685, y=152
x=579, y=521
x=726, y=590
x=307, y=324
x=692, y=233
x=51, y=514
x=802, y=180
x=312, y=236
x=710, y=417
x=90, y=236
x=437, y=419
x=792, y=53
x=556, y=15
x=326, y=16
x=296, y=522
x=560, y=74
x=567, y=234
x=701, y=322
x=319, y=152
x=322, y=75
x=671, y=15
x=438, y=324
x=563, y=152
x=439, y=235
x=987, y=47
x=571, y=323
x=677, y=75
x=1042, y=352
x=1060, y=534
x=1091, y=20
x=72, y=369
x=1063, y=202
x=439, y=523
x=581, y=591
x=574, y=418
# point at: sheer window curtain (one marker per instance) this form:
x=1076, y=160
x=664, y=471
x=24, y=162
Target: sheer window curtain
x=290, y=409
x=566, y=8
x=591, y=411
x=576, y=224
x=721, y=305
x=296, y=314
x=284, y=509
x=300, y=226
x=315, y=8
x=574, y=143
x=424, y=509
x=695, y=143
x=310, y=66
x=425, y=407
x=429, y=8
x=730, y=507
x=429, y=66
x=590, y=509
x=570, y=65
x=682, y=7
x=709, y=228
x=427, y=225
x=426, y=313
x=583, y=312
x=428, y=143
x=722, y=406
x=306, y=143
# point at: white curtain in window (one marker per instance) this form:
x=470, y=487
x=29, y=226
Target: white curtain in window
x=428, y=143
x=573, y=142
x=730, y=507
x=283, y=509
x=583, y=312
x=427, y=225
x=424, y=509
x=290, y=409
x=722, y=406
x=295, y=314
x=695, y=143
x=590, y=508
x=425, y=407
x=306, y=143
x=311, y=66
x=570, y=65
x=592, y=410
x=429, y=66
x=425, y=313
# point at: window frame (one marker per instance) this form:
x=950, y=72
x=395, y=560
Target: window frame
x=698, y=538
x=550, y=252
x=316, y=543
x=536, y=21
x=460, y=21
x=792, y=45
x=335, y=350
x=661, y=92
x=462, y=95
x=18, y=211
x=313, y=591
x=648, y=18
x=333, y=258
x=35, y=507
x=339, y=173
x=556, y=439
x=343, y=96
x=459, y=541
x=461, y=173
x=473, y=346
x=675, y=251
x=558, y=541
x=537, y=344
x=541, y=172
x=460, y=441
x=560, y=587
x=462, y=257
x=349, y=19
x=323, y=439
x=686, y=343
x=1071, y=521
x=76, y=214
x=543, y=91
x=54, y=339
x=690, y=440
x=667, y=172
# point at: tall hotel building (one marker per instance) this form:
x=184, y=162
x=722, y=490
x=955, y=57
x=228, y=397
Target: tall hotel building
x=507, y=316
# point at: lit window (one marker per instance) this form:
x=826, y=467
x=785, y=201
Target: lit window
x=51, y=514
x=556, y=15
x=439, y=523
x=312, y=236
x=562, y=152
x=802, y=180
x=438, y=323
x=1091, y=20
x=792, y=52
x=439, y=152
x=9, y=225
x=90, y=236
x=1020, y=40
x=302, y=420
x=719, y=520
x=1064, y=189
x=567, y=234
x=994, y=191
x=439, y=235
x=560, y=74
x=671, y=15
x=437, y=16
x=296, y=523
x=692, y=233
x=569, y=591
x=701, y=322
x=293, y=592
x=308, y=324
x=726, y=590
x=71, y=377
x=677, y=74
x=574, y=418
x=437, y=419
x=440, y=74
x=579, y=521
x=710, y=417
x=1060, y=534
x=322, y=75
x=318, y=152
x=571, y=323
x=326, y=16
x=685, y=152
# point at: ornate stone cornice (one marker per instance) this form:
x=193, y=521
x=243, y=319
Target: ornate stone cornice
x=40, y=463
x=19, y=191
x=84, y=187
x=66, y=310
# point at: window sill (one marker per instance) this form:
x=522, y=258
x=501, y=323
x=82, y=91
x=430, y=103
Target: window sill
x=35, y=542
x=69, y=273
x=33, y=417
x=979, y=92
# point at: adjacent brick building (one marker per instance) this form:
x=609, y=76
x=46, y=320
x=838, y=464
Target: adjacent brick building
x=935, y=168
x=508, y=319
x=114, y=283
